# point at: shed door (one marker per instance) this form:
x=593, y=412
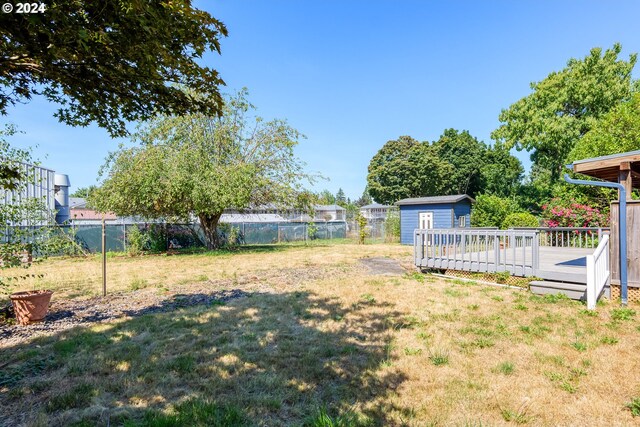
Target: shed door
x=425, y=221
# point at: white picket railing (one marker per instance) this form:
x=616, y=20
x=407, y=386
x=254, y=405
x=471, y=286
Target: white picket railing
x=598, y=273
x=478, y=250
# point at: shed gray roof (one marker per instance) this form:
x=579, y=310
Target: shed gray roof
x=433, y=200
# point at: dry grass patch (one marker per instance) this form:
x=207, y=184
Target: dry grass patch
x=335, y=346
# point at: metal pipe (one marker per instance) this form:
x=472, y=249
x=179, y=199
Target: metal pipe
x=622, y=230
x=104, y=257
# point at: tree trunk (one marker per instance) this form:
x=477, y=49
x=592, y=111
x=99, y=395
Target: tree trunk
x=209, y=224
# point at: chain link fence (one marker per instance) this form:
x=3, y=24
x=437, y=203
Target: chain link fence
x=176, y=236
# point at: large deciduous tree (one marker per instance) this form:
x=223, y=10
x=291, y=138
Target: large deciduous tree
x=389, y=178
x=406, y=168
x=111, y=61
x=466, y=154
x=565, y=106
x=198, y=166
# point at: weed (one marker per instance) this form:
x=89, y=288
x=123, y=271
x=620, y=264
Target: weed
x=634, y=406
x=473, y=307
x=452, y=292
x=439, y=356
x=521, y=306
x=137, y=284
x=405, y=322
x=497, y=298
x=589, y=313
x=368, y=298
x=580, y=346
x=482, y=343
x=554, y=298
x=502, y=277
x=412, y=351
x=424, y=336
x=419, y=277
x=568, y=387
x=578, y=372
x=623, y=313
x=517, y=417
x=78, y=397
x=609, y=340
x=505, y=368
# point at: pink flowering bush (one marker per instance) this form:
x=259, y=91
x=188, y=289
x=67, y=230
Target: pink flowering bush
x=558, y=213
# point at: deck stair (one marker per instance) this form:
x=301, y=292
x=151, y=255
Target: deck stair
x=576, y=291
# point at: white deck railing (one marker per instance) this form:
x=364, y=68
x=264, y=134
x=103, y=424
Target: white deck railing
x=598, y=272
x=478, y=250
x=569, y=237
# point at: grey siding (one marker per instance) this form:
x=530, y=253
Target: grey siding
x=463, y=208
x=409, y=216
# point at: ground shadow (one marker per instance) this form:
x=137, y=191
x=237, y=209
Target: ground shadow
x=274, y=359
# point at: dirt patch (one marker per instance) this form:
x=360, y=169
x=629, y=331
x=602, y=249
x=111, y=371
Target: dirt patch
x=65, y=314
x=383, y=266
x=68, y=313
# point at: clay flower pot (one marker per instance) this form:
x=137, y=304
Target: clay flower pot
x=30, y=306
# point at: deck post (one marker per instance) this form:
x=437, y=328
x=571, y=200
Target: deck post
x=496, y=250
x=535, y=252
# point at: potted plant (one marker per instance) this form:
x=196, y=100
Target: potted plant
x=30, y=306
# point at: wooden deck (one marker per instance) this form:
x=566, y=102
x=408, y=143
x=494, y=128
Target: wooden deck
x=560, y=264
x=516, y=252
x=563, y=264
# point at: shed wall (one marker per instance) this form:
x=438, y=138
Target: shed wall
x=409, y=217
x=462, y=208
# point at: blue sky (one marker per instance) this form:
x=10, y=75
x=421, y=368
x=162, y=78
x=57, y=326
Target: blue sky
x=351, y=75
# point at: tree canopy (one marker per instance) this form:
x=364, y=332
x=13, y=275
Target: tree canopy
x=565, y=106
x=406, y=168
x=465, y=153
x=111, y=61
x=198, y=166
x=616, y=132
x=84, y=192
x=457, y=163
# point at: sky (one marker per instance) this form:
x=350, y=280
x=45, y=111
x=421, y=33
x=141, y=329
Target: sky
x=353, y=74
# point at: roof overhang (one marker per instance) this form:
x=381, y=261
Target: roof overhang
x=609, y=168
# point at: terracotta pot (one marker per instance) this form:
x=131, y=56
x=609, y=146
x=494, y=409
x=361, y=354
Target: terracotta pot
x=30, y=306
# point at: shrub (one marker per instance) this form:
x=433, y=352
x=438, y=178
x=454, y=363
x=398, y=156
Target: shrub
x=312, y=230
x=362, y=227
x=559, y=213
x=137, y=241
x=520, y=219
x=392, y=226
x=157, y=237
x=491, y=211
